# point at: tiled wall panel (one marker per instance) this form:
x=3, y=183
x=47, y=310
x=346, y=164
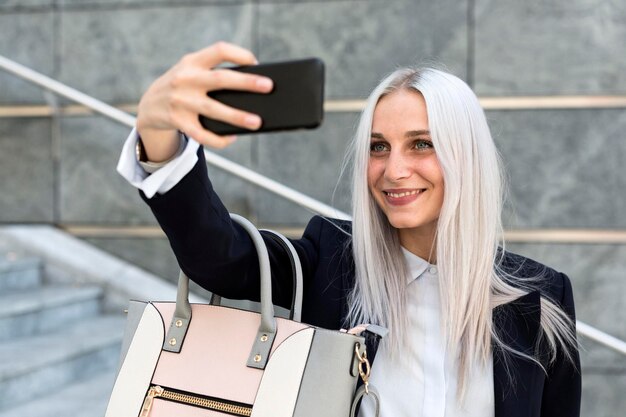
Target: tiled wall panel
x=603, y=394
x=91, y=189
x=310, y=162
x=27, y=185
x=120, y=4
x=363, y=41
x=28, y=39
x=565, y=167
x=116, y=54
x=25, y=5
x=93, y=192
x=550, y=47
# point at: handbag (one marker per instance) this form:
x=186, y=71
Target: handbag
x=216, y=361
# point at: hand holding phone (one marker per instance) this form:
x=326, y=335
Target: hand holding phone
x=173, y=101
x=296, y=101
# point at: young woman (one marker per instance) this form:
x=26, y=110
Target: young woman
x=474, y=330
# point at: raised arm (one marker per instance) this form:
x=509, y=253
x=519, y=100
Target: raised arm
x=212, y=250
x=215, y=252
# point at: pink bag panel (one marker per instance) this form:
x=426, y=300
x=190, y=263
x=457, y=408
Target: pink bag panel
x=215, y=347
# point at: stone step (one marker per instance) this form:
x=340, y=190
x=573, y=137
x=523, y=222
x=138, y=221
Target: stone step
x=19, y=274
x=45, y=309
x=86, y=398
x=31, y=367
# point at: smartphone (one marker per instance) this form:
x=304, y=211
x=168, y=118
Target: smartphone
x=296, y=102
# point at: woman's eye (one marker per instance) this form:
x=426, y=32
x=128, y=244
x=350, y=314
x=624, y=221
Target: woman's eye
x=423, y=145
x=378, y=147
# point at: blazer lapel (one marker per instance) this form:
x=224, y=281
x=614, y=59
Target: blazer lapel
x=518, y=382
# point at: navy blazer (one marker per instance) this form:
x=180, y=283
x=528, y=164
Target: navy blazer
x=219, y=255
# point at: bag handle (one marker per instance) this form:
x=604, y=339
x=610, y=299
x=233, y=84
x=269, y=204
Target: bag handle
x=295, y=311
x=267, y=329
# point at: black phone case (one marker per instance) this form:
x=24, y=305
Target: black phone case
x=296, y=102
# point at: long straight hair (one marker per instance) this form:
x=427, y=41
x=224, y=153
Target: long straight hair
x=469, y=229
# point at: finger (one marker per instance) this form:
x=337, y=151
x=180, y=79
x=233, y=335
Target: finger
x=221, y=79
x=208, y=138
x=216, y=110
x=223, y=52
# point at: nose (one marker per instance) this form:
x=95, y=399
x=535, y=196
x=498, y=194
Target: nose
x=398, y=166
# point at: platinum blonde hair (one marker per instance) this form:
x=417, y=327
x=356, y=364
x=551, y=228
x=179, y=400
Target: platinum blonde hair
x=471, y=282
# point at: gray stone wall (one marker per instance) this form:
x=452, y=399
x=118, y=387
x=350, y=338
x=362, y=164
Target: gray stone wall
x=565, y=166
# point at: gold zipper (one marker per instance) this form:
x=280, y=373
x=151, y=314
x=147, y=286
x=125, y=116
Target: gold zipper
x=158, y=392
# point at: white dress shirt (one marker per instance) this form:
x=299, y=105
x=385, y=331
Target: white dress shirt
x=422, y=383
x=152, y=178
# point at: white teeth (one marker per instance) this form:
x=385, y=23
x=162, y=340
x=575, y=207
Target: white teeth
x=398, y=195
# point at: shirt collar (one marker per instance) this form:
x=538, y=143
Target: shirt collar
x=416, y=265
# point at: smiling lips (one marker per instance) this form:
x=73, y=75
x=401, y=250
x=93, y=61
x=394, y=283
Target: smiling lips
x=402, y=196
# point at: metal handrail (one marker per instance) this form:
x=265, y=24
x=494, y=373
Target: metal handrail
x=605, y=339
x=238, y=170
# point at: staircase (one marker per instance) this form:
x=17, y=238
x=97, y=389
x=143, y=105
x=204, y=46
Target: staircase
x=58, y=351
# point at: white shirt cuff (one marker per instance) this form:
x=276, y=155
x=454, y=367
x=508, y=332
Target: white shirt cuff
x=162, y=179
x=151, y=167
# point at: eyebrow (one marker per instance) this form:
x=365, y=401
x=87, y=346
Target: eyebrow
x=410, y=133
x=422, y=132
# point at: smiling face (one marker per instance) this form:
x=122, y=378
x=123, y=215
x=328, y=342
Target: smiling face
x=404, y=175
